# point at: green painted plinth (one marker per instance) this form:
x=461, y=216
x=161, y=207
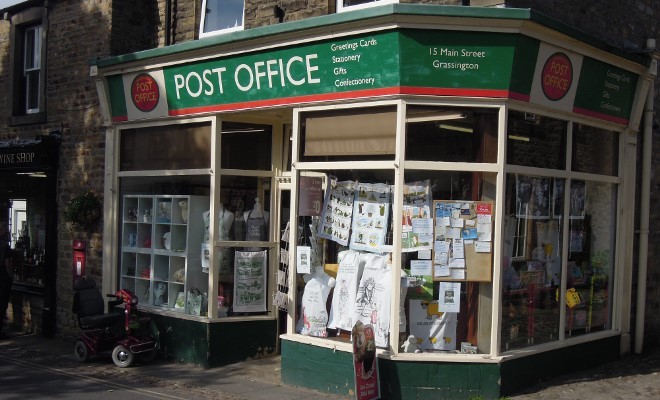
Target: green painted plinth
x=524, y=372
x=331, y=371
x=325, y=370
x=210, y=344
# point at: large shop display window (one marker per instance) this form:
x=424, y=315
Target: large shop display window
x=356, y=248
x=542, y=269
x=166, y=241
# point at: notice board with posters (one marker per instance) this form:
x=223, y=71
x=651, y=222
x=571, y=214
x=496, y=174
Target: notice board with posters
x=462, y=240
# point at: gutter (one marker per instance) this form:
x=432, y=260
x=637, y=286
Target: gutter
x=645, y=199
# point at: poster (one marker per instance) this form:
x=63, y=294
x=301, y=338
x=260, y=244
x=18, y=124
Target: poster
x=310, y=196
x=419, y=280
x=250, y=281
x=349, y=273
x=303, y=259
x=337, y=211
x=532, y=197
x=365, y=363
x=449, y=298
x=373, y=298
x=371, y=210
x=578, y=199
x=434, y=330
x=416, y=220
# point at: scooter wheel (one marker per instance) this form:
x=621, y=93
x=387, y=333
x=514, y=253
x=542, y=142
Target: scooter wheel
x=81, y=351
x=122, y=357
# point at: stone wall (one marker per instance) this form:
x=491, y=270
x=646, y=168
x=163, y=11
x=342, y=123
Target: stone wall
x=78, y=31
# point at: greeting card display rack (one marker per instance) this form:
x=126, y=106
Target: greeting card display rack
x=161, y=239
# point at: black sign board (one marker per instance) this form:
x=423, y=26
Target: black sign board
x=38, y=156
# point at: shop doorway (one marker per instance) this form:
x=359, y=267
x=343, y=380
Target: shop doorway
x=30, y=211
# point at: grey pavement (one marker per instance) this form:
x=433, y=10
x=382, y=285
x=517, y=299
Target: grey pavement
x=39, y=368
x=634, y=376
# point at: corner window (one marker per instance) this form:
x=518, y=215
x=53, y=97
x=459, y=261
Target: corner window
x=348, y=5
x=221, y=16
x=28, y=38
x=536, y=141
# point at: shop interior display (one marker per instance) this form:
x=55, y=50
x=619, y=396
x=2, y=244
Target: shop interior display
x=161, y=239
x=446, y=247
x=532, y=266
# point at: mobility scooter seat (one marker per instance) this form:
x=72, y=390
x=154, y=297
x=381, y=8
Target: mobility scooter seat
x=89, y=306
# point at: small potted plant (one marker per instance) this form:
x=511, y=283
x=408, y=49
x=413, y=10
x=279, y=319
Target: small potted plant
x=84, y=210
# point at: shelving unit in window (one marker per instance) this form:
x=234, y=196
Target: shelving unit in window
x=136, y=245
x=161, y=248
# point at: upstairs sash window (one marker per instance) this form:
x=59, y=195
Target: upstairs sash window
x=221, y=16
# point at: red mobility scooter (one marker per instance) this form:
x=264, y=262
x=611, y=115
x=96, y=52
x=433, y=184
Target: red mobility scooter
x=102, y=333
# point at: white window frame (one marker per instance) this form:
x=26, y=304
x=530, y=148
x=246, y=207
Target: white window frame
x=202, y=22
x=373, y=3
x=32, y=71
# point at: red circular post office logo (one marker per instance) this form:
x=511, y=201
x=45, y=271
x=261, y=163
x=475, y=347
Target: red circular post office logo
x=144, y=92
x=557, y=76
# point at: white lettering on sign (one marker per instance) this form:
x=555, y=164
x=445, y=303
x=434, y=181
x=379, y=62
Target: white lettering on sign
x=347, y=60
x=447, y=62
x=258, y=75
x=17, y=158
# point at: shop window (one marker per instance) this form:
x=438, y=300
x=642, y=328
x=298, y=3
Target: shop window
x=28, y=37
x=343, y=135
x=589, y=271
x=161, y=236
x=536, y=141
x=344, y=253
x=348, y=5
x=345, y=271
x=221, y=16
x=595, y=150
x=342, y=240
x=246, y=146
x=243, y=216
x=456, y=134
x=167, y=238
x=531, y=267
x=166, y=147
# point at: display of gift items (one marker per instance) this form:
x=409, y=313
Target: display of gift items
x=314, y=316
x=226, y=220
x=160, y=294
x=165, y=211
x=196, y=303
x=256, y=223
x=183, y=205
x=411, y=345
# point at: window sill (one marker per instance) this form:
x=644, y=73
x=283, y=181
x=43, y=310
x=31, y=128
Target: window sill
x=28, y=119
x=337, y=344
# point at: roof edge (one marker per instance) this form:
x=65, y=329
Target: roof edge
x=384, y=11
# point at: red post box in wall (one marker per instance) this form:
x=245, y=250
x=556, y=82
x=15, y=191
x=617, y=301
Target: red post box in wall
x=79, y=259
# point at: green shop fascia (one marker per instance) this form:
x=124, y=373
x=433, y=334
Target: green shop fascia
x=491, y=117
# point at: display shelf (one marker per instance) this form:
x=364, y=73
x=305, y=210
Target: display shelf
x=160, y=248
